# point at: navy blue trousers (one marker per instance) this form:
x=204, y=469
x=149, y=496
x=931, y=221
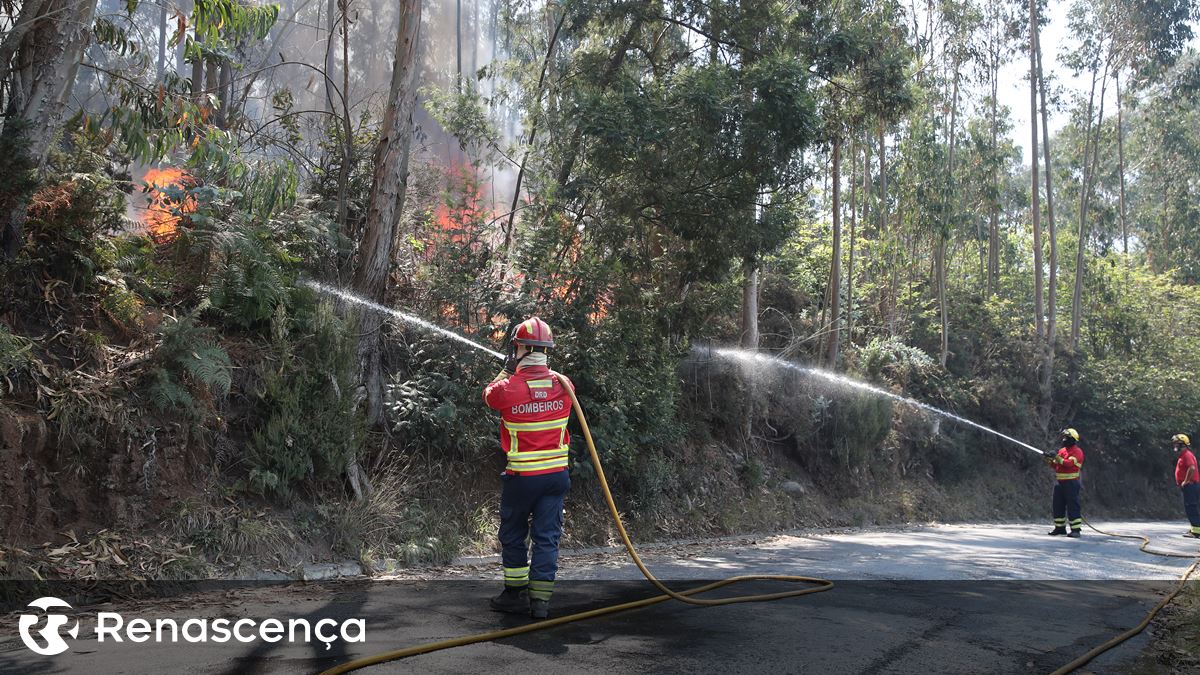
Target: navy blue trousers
x=531, y=507
x=1191, y=504
x=1066, y=504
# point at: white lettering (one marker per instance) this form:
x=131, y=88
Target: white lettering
x=169, y=623
x=301, y=623
x=138, y=630
x=355, y=623
x=271, y=630
x=327, y=639
x=220, y=630
x=237, y=630
x=102, y=629
x=538, y=407
x=198, y=623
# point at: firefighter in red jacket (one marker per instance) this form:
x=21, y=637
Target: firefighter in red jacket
x=1187, y=477
x=534, y=407
x=1067, y=464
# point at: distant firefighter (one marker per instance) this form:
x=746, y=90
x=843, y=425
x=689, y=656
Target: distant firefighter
x=1187, y=477
x=1067, y=464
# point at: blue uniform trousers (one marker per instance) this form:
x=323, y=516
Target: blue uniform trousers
x=531, y=507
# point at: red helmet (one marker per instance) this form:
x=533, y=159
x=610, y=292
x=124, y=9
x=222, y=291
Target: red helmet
x=533, y=333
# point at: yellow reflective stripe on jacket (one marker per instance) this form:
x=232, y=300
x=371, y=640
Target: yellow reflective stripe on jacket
x=537, y=460
x=537, y=426
x=540, y=384
x=530, y=455
x=561, y=462
x=1068, y=476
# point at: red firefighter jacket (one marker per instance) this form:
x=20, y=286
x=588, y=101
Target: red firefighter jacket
x=1068, y=463
x=1186, y=461
x=534, y=407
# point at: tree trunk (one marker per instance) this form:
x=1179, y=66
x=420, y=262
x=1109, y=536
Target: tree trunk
x=47, y=58
x=883, y=229
x=1085, y=197
x=331, y=18
x=750, y=304
x=993, y=271
x=1121, y=166
x=835, y=267
x=161, y=70
x=458, y=45
x=386, y=202
x=348, y=153
x=1035, y=207
x=850, y=260
x=1050, y=346
x=944, y=235
x=225, y=91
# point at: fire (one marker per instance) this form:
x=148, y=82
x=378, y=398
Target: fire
x=162, y=214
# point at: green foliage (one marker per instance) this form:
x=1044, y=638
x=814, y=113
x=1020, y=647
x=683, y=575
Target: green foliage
x=305, y=426
x=890, y=360
x=190, y=368
x=15, y=355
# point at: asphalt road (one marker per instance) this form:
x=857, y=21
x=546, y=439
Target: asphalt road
x=938, y=599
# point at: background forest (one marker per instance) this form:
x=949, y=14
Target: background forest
x=840, y=184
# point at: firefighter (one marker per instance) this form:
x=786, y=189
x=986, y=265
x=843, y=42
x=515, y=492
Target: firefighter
x=1067, y=463
x=534, y=407
x=1187, y=477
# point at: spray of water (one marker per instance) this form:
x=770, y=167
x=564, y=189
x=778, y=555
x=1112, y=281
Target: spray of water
x=405, y=317
x=752, y=357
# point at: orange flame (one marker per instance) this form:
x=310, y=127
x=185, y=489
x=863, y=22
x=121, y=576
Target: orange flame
x=161, y=218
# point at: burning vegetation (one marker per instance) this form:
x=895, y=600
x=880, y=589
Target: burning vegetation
x=167, y=201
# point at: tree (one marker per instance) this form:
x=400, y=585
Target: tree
x=386, y=202
x=39, y=59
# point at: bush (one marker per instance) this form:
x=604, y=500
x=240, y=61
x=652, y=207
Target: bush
x=306, y=425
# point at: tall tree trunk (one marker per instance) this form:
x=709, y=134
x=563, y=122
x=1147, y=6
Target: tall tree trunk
x=1035, y=207
x=835, y=267
x=883, y=229
x=1051, y=344
x=1121, y=166
x=385, y=203
x=348, y=152
x=944, y=234
x=161, y=69
x=458, y=45
x=47, y=56
x=993, y=270
x=850, y=259
x=750, y=303
x=1085, y=198
x=331, y=20
x=225, y=91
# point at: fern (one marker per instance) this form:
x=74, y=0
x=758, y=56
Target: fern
x=188, y=362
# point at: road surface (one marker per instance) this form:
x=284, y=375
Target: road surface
x=931, y=599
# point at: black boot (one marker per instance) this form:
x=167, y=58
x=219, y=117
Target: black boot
x=511, y=601
x=1058, y=530
x=539, y=609
x=1075, y=534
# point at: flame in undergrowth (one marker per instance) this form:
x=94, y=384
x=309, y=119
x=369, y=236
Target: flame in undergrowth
x=162, y=214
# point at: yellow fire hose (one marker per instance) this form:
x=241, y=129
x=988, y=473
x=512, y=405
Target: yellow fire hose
x=1083, y=660
x=667, y=594
x=818, y=586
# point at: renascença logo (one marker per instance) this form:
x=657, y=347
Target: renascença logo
x=112, y=626
x=55, y=644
